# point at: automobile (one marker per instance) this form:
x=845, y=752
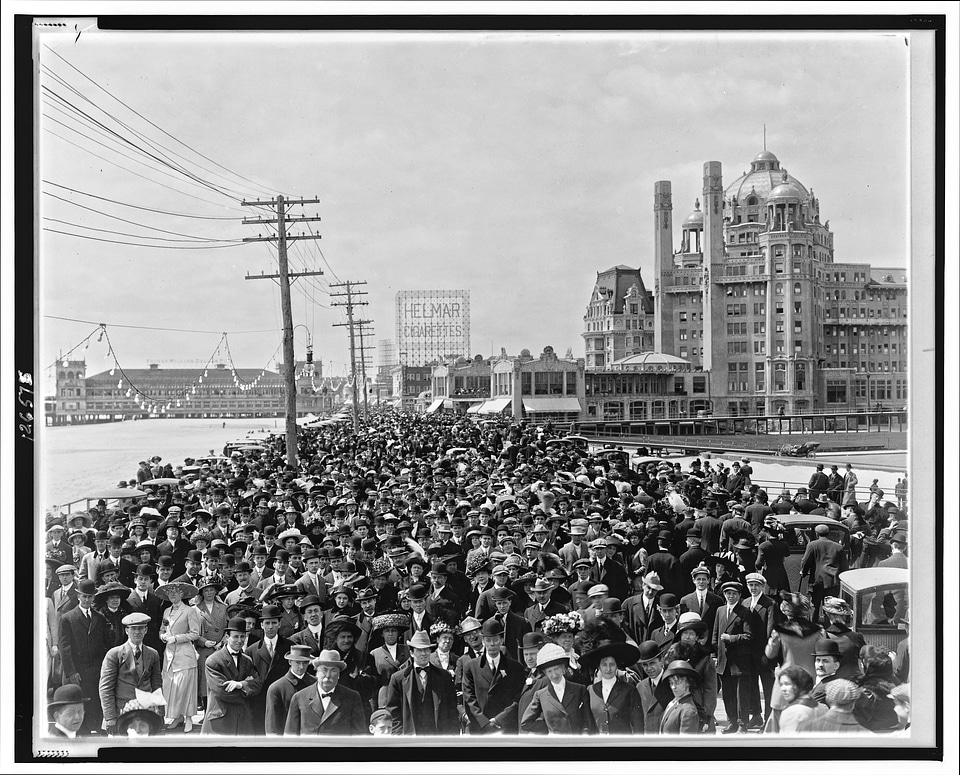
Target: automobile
x=580, y=442
x=800, y=530
x=613, y=456
x=880, y=601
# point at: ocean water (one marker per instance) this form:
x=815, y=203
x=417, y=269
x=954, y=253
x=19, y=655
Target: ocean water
x=78, y=459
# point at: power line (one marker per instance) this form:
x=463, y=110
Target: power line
x=143, y=244
x=127, y=169
x=158, y=328
x=144, y=138
x=132, y=223
x=172, y=137
x=136, y=207
x=159, y=160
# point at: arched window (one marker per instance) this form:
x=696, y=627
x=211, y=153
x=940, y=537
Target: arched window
x=69, y=375
x=796, y=289
x=779, y=289
x=751, y=200
x=63, y=375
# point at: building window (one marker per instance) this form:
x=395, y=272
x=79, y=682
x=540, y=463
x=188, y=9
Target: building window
x=797, y=326
x=760, y=308
x=760, y=375
x=779, y=376
x=699, y=384
x=683, y=334
x=683, y=352
x=683, y=317
x=759, y=347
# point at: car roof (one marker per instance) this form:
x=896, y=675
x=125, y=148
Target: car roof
x=811, y=520
x=866, y=578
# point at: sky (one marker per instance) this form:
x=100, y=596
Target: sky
x=515, y=166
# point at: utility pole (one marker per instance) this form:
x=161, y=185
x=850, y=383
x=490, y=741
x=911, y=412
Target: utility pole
x=351, y=295
x=365, y=331
x=284, y=277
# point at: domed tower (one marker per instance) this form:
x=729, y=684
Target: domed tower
x=691, y=237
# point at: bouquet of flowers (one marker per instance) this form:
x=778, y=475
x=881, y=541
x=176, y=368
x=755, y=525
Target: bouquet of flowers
x=566, y=622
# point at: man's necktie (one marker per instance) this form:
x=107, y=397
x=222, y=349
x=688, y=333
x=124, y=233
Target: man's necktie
x=270, y=650
x=423, y=680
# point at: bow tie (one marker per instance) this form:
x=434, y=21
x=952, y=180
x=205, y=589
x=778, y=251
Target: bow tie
x=326, y=696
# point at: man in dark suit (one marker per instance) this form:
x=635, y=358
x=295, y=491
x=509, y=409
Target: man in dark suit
x=734, y=631
x=420, y=619
x=693, y=556
x=442, y=604
x=819, y=483
x=654, y=689
x=312, y=634
x=174, y=546
x=606, y=570
x=268, y=660
x=668, y=606
x=279, y=694
x=764, y=608
x=491, y=685
x=421, y=696
x=327, y=707
x=142, y=600
x=132, y=665
x=702, y=601
x=485, y=608
x=665, y=565
x=823, y=562
x=576, y=548
x=231, y=681
x=514, y=626
x=641, y=615
x=83, y=645
x=709, y=526
x=544, y=606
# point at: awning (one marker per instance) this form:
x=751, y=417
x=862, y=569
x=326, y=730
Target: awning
x=552, y=404
x=474, y=408
x=435, y=406
x=494, y=406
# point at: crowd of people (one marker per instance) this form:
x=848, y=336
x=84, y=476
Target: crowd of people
x=435, y=575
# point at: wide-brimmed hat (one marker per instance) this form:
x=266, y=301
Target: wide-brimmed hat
x=626, y=654
x=213, y=580
x=683, y=668
x=187, y=591
x=134, y=710
x=330, y=658
x=542, y=585
x=113, y=588
x=837, y=606
x=340, y=623
x=421, y=640
x=551, y=654
x=691, y=621
x=399, y=620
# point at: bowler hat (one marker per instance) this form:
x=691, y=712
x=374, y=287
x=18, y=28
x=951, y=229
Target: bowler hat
x=612, y=605
x=308, y=601
x=87, y=587
x=667, y=600
x=649, y=649
x=827, y=647
x=68, y=694
x=532, y=640
x=271, y=612
x=237, y=624
x=502, y=593
x=492, y=627
x=417, y=592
